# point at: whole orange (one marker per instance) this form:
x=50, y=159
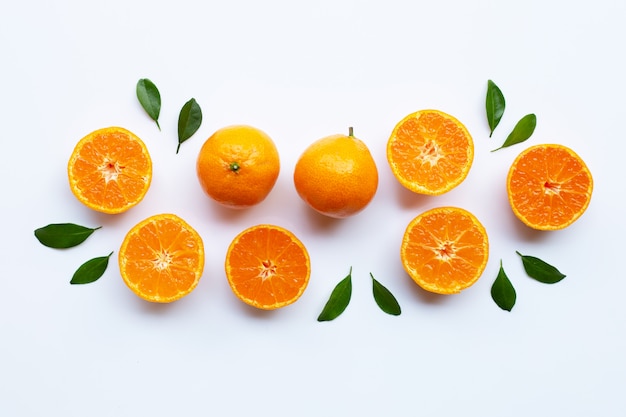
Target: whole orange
x=336, y=175
x=238, y=166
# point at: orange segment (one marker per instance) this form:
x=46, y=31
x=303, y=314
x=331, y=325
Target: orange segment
x=162, y=258
x=110, y=170
x=445, y=250
x=267, y=267
x=549, y=187
x=430, y=152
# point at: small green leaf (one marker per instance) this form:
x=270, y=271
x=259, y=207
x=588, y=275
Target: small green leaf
x=339, y=299
x=502, y=291
x=91, y=270
x=63, y=235
x=522, y=131
x=495, y=105
x=149, y=98
x=540, y=270
x=384, y=298
x=189, y=121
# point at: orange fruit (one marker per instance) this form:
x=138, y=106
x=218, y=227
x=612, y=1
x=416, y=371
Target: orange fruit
x=162, y=258
x=110, y=170
x=430, y=152
x=238, y=166
x=549, y=186
x=267, y=267
x=336, y=176
x=445, y=250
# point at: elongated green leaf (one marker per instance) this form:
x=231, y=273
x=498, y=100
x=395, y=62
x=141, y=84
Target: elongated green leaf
x=189, y=121
x=149, y=98
x=540, y=270
x=63, y=235
x=502, y=291
x=495, y=105
x=384, y=298
x=522, y=131
x=339, y=299
x=91, y=270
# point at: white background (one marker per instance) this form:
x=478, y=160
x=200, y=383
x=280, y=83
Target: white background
x=301, y=71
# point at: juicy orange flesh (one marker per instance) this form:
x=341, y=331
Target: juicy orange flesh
x=111, y=170
x=163, y=260
x=549, y=186
x=430, y=150
x=445, y=251
x=268, y=268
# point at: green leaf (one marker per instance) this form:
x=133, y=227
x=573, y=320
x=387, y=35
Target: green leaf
x=522, y=131
x=189, y=121
x=540, y=270
x=339, y=299
x=91, y=270
x=384, y=298
x=149, y=98
x=495, y=105
x=502, y=291
x=63, y=235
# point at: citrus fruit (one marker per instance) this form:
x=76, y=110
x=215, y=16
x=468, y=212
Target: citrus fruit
x=238, y=166
x=445, y=250
x=336, y=175
x=267, y=267
x=549, y=186
x=430, y=152
x=110, y=170
x=162, y=258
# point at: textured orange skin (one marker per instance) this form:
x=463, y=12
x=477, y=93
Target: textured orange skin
x=445, y=230
x=336, y=176
x=258, y=166
x=110, y=147
x=533, y=176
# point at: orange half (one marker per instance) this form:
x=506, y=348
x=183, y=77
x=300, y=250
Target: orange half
x=430, y=152
x=162, y=258
x=445, y=250
x=267, y=267
x=110, y=170
x=549, y=186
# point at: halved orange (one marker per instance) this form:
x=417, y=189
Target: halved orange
x=445, y=250
x=267, y=267
x=430, y=152
x=162, y=258
x=549, y=186
x=110, y=170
